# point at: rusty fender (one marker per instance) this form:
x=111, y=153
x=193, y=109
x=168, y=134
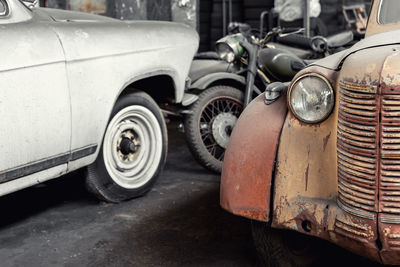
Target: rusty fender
x=250, y=159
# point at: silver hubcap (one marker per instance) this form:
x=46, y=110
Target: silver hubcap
x=222, y=128
x=132, y=147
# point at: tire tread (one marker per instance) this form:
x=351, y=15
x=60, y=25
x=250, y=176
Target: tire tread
x=99, y=183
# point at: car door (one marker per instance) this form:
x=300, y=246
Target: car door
x=35, y=119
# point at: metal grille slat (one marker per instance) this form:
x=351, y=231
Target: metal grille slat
x=357, y=147
x=389, y=180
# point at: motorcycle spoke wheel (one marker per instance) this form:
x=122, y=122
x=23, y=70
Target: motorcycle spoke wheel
x=210, y=123
x=214, y=108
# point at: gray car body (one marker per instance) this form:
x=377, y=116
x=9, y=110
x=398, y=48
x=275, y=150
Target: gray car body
x=61, y=74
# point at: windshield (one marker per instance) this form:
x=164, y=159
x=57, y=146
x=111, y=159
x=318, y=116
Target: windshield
x=389, y=11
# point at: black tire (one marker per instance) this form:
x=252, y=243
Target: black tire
x=145, y=128
x=198, y=124
x=278, y=248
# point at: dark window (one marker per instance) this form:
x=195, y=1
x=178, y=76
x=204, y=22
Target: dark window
x=389, y=11
x=3, y=8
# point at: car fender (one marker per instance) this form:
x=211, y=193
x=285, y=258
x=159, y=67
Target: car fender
x=210, y=79
x=249, y=161
x=219, y=78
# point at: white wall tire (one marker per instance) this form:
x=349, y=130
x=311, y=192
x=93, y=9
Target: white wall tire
x=133, y=151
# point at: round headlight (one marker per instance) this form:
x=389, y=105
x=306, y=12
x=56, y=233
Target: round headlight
x=311, y=98
x=225, y=52
x=229, y=48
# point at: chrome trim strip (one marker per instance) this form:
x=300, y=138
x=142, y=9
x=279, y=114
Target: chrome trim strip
x=83, y=152
x=362, y=88
x=354, y=211
x=390, y=220
x=41, y=165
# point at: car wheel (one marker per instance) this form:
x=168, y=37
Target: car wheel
x=133, y=151
x=210, y=122
x=278, y=248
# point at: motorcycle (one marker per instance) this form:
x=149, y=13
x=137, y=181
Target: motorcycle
x=225, y=82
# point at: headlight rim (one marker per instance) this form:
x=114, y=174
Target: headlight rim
x=326, y=80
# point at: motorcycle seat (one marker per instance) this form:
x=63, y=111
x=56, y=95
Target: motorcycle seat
x=301, y=53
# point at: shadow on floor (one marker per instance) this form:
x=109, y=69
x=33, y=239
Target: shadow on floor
x=195, y=233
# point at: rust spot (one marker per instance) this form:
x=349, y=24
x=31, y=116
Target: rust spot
x=326, y=139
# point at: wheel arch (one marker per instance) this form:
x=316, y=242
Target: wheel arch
x=150, y=84
x=229, y=82
x=145, y=83
x=221, y=78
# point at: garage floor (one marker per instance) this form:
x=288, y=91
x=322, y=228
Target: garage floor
x=179, y=223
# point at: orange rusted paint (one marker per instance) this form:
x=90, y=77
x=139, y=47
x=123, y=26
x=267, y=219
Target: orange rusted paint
x=339, y=179
x=350, y=182
x=389, y=232
x=249, y=159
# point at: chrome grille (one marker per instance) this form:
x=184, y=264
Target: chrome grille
x=389, y=182
x=357, y=147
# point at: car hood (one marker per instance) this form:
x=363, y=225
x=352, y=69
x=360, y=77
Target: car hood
x=73, y=16
x=335, y=61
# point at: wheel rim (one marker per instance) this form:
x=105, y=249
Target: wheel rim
x=222, y=127
x=217, y=119
x=132, y=146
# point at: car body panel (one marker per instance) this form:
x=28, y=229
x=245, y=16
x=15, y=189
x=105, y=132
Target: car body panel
x=62, y=73
x=311, y=150
x=119, y=59
x=305, y=191
x=248, y=166
x=339, y=179
x=70, y=16
x=34, y=99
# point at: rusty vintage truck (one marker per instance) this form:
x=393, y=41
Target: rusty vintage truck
x=321, y=155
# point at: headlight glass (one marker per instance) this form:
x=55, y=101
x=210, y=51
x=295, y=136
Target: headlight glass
x=225, y=52
x=311, y=98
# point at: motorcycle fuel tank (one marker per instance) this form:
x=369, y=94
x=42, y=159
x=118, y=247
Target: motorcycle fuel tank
x=279, y=63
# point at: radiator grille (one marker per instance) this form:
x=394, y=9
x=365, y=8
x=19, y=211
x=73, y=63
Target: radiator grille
x=357, y=147
x=389, y=182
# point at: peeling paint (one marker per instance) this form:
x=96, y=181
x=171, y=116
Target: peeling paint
x=326, y=139
x=306, y=176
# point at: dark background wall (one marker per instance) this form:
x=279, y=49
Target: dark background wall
x=249, y=11
x=204, y=15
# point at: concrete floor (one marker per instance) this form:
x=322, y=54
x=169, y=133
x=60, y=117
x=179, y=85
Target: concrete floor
x=178, y=223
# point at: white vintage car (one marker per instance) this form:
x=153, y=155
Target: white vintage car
x=77, y=90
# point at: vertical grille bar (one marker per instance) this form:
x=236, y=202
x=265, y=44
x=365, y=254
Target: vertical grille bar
x=389, y=182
